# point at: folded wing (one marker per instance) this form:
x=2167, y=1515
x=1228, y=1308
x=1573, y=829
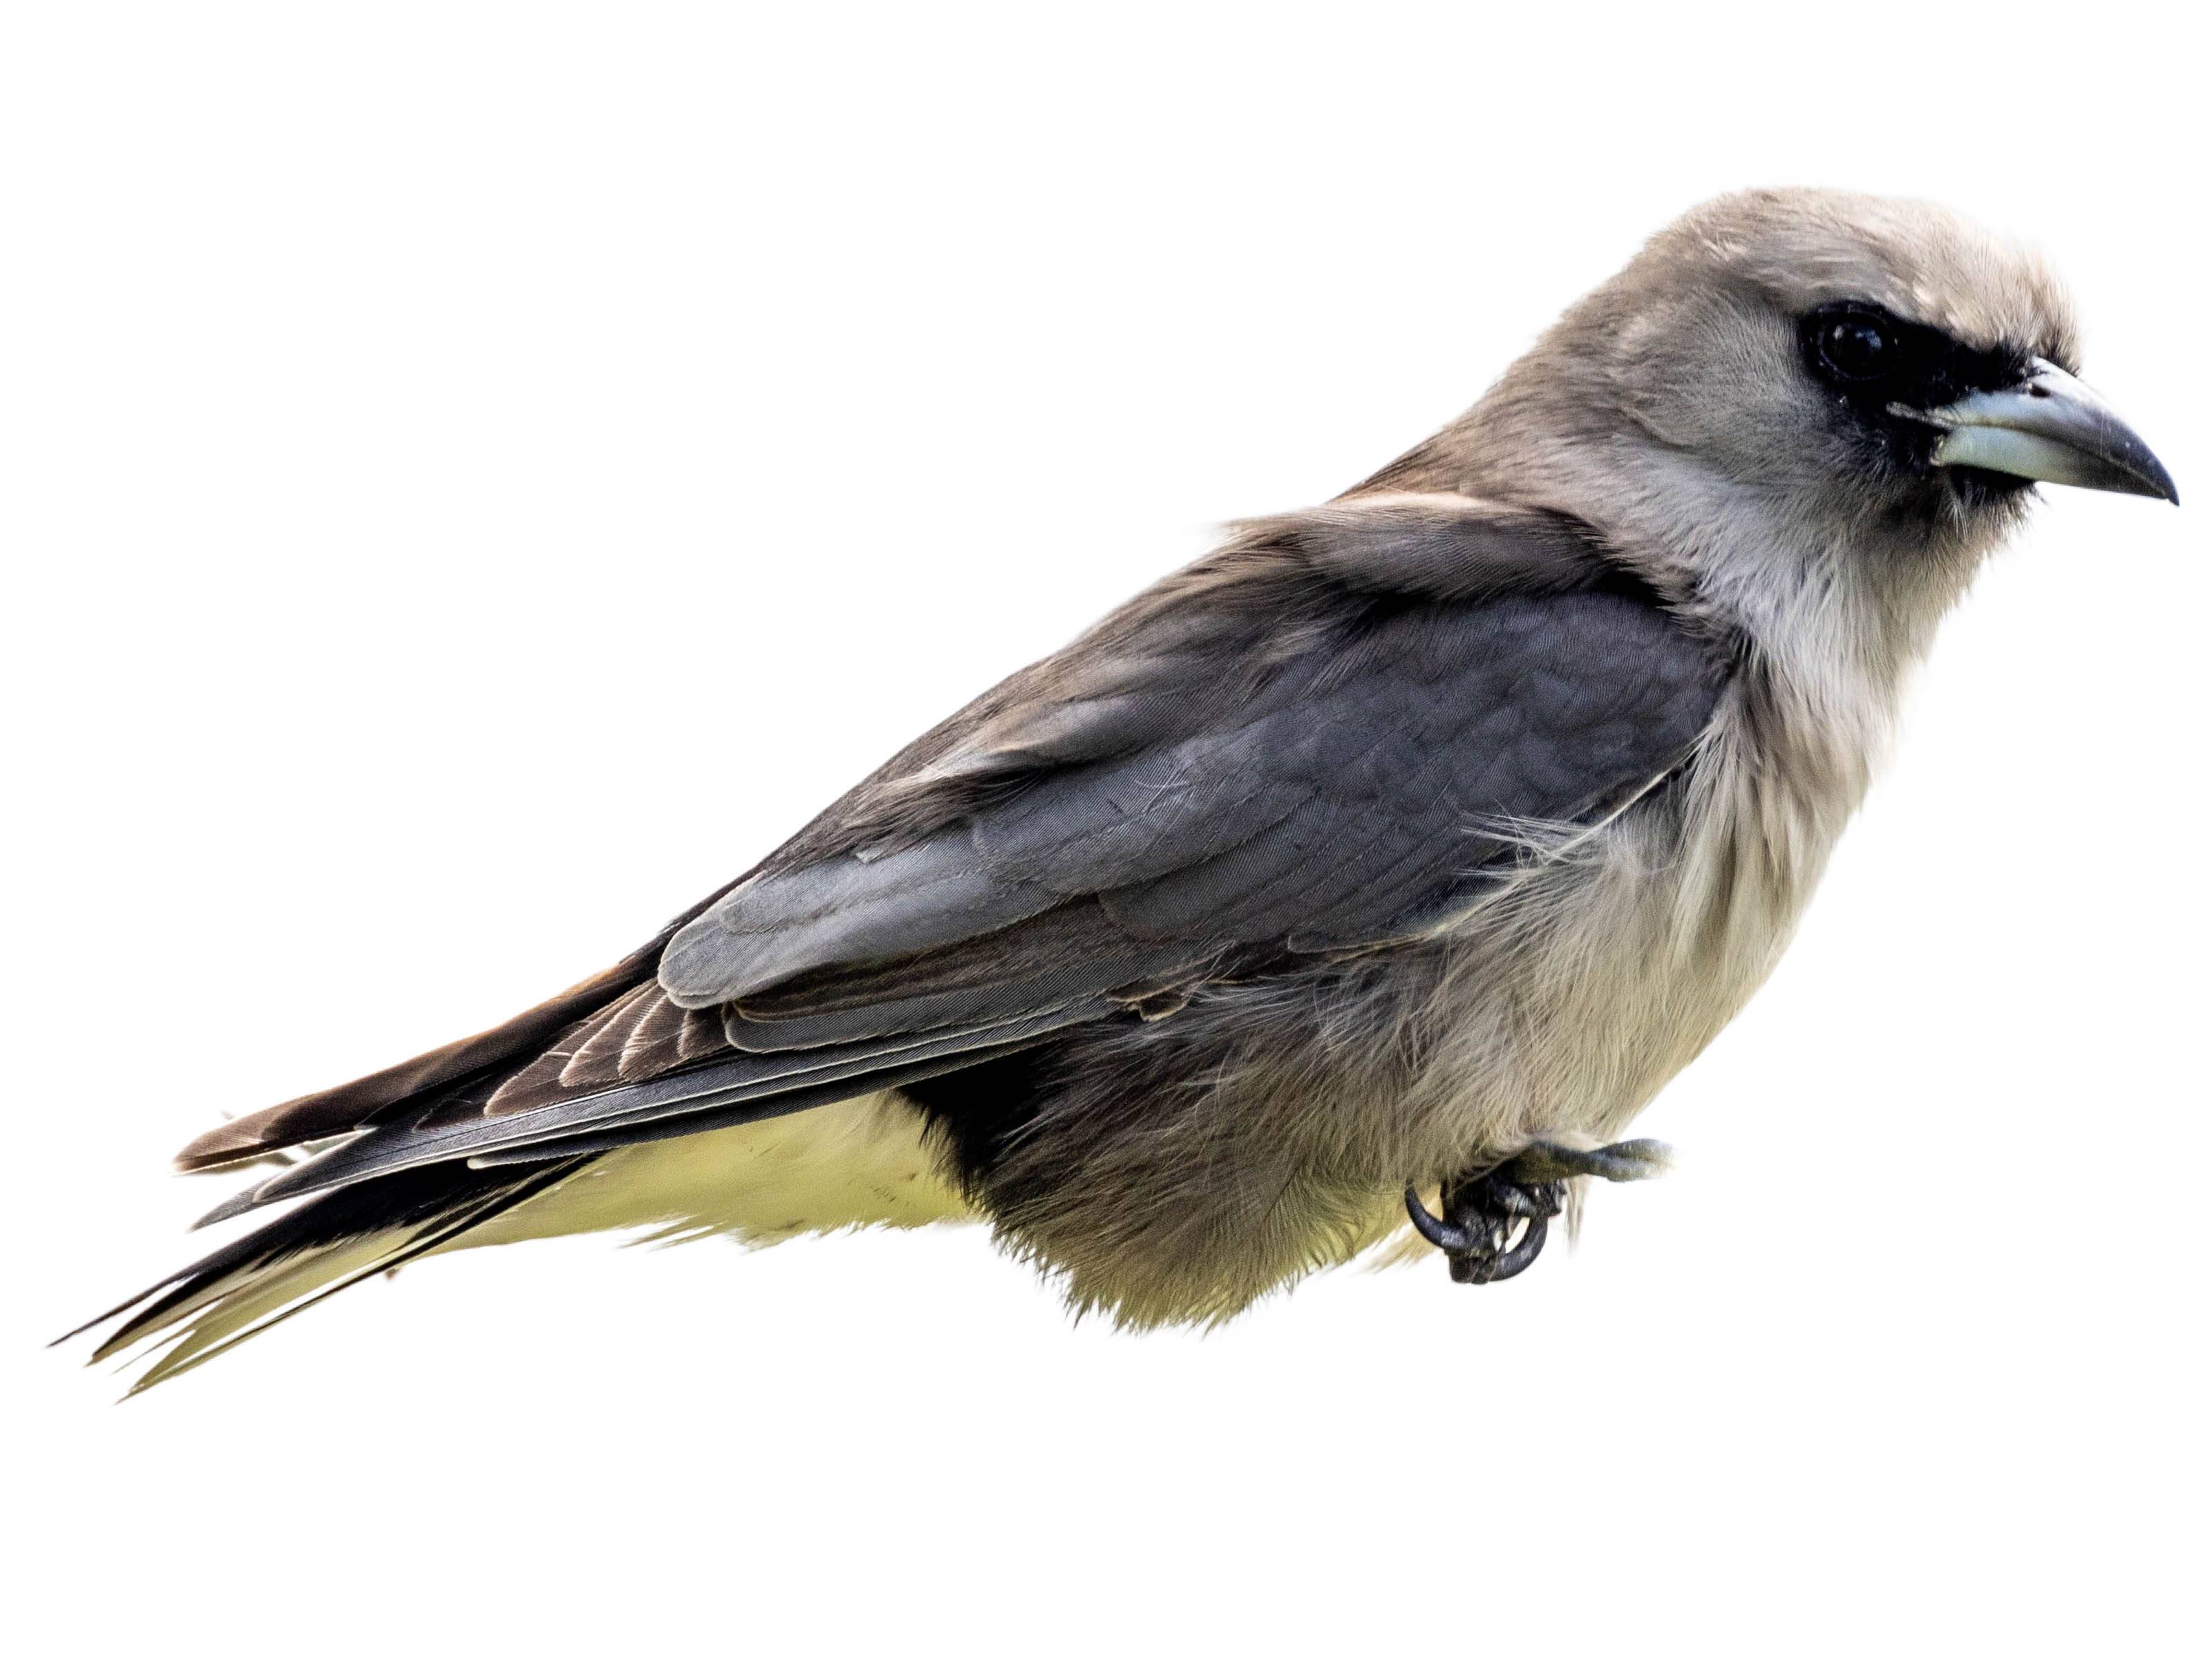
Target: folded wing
x=1324, y=737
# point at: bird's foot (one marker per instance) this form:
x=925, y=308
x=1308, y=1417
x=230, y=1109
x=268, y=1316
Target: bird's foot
x=1495, y=1220
x=1482, y=1215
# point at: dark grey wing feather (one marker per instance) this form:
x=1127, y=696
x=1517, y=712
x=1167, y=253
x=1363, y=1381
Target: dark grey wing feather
x=742, y=1090
x=1363, y=791
x=1318, y=738
x=841, y=908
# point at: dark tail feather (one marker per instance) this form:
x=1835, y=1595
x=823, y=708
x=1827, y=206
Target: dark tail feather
x=316, y=1250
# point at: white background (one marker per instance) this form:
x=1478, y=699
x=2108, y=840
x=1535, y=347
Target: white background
x=476, y=478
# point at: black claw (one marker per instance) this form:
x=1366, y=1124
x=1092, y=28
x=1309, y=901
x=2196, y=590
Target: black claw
x=1494, y=1223
x=1451, y=1239
x=1482, y=1215
x=1487, y=1269
x=1523, y=1254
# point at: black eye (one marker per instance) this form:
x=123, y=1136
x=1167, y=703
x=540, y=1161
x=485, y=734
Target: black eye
x=1856, y=348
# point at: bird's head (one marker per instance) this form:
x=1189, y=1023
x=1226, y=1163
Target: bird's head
x=1883, y=371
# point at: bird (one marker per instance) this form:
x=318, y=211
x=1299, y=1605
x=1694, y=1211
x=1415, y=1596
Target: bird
x=1348, y=890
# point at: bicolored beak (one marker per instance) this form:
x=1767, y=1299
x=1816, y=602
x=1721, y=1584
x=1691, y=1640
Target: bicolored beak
x=2050, y=427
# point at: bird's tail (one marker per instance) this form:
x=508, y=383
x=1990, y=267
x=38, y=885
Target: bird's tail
x=325, y=1244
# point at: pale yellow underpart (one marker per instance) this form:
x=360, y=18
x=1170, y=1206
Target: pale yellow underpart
x=861, y=1162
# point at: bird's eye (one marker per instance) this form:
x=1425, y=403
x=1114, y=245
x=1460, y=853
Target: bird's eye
x=1856, y=348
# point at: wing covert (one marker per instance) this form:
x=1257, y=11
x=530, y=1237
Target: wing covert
x=1285, y=759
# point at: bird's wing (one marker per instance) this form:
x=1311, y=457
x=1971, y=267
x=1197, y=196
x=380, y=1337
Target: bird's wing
x=1328, y=735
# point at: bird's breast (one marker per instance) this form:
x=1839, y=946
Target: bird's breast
x=1576, y=993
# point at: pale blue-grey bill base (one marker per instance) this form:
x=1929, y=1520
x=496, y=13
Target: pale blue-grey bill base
x=2052, y=428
